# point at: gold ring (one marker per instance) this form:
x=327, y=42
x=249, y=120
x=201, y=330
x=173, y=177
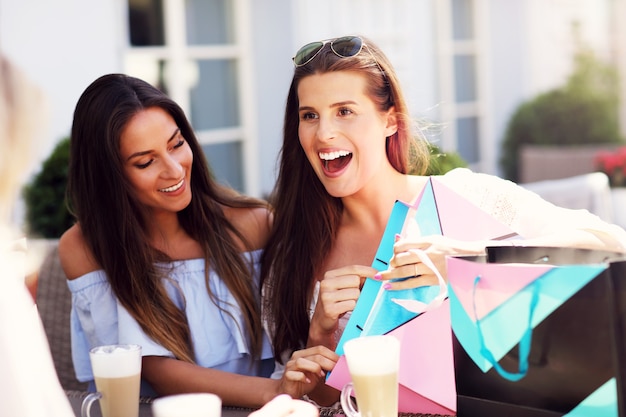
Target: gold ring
x=415, y=266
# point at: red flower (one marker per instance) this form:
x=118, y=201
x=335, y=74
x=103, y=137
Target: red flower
x=613, y=164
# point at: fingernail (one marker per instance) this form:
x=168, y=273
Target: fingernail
x=378, y=276
x=387, y=286
x=398, y=236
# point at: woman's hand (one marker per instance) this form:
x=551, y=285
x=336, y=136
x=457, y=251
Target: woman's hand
x=339, y=291
x=285, y=406
x=406, y=261
x=306, y=369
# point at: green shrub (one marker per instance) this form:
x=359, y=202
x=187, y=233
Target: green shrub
x=582, y=112
x=442, y=162
x=46, y=213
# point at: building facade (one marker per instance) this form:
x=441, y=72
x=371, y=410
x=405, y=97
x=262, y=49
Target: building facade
x=465, y=64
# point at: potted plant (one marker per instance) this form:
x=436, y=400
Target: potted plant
x=442, y=162
x=47, y=215
x=557, y=133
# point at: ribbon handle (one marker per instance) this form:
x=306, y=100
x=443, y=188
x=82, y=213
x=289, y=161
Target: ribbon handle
x=524, y=344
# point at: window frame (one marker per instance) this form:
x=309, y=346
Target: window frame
x=451, y=111
x=177, y=53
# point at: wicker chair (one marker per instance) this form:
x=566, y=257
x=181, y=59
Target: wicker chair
x=54, y=302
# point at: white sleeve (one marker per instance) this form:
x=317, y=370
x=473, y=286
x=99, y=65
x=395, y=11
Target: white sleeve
x=524, y=211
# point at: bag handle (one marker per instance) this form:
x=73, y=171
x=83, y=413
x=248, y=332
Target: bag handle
x=419, y=307
x=524, y=344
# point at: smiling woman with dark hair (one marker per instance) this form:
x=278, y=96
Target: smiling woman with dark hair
x=165, y=257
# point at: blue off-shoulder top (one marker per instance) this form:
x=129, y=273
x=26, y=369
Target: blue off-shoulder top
x=97, y=318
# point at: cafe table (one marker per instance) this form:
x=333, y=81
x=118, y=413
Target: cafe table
x=145, y=408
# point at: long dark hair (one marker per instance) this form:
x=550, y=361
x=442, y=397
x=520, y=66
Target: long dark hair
x=109, y=214
x=306, y=216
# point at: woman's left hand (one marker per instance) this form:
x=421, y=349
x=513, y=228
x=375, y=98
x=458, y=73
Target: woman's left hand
x=306, y=369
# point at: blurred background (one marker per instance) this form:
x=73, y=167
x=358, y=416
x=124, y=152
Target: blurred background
x=485, y=73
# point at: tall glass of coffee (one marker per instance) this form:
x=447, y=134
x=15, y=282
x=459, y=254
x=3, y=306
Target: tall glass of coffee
x=117, y=373
x=373, y=363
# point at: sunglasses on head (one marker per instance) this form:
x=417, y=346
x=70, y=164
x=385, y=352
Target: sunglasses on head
x=344, y=47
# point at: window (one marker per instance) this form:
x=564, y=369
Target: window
x=461, y=47
x=468, y=143
x=465, y=78
x=191, y=50
x=145, y=21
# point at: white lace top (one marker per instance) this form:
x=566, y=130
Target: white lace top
x=523, y=211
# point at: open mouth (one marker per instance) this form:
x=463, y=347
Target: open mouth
x=335, y=161
x=173, y=187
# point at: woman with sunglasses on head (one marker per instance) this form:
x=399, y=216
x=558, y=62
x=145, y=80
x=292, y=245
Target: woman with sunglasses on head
x=348, y=147
x=164, y=257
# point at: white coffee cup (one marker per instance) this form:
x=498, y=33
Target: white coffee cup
x=373, y=363
x=117, y=373
x=188, y=405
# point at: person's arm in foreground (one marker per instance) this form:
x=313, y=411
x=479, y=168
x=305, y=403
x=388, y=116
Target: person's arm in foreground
x=302, y=373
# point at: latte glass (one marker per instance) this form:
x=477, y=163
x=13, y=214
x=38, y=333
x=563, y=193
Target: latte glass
x=373, y=362
x=117, y=373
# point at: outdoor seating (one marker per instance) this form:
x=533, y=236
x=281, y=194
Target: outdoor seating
x=54, y=303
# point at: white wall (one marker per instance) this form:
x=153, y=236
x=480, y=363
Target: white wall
x=551, y=40
x=619, y=53
x=272, y=68
x=508, y=65
x=62, y=45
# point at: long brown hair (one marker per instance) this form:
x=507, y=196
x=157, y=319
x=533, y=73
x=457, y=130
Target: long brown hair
x=306, y=216
x=109, y=214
